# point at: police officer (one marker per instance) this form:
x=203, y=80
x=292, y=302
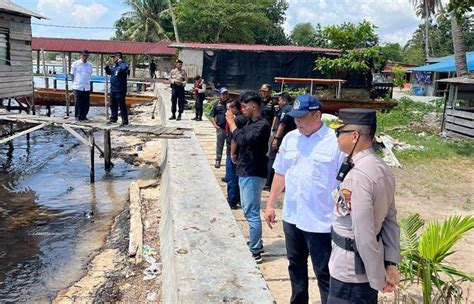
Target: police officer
x=118, y=88
x=178, y=78
x=365, y=235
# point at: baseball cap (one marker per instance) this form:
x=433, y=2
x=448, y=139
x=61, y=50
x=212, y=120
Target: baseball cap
x=223, y=90
x=355, y=116
x=265, y=87
x=304, y=104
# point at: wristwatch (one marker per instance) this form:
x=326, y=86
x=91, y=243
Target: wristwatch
x=388, y=263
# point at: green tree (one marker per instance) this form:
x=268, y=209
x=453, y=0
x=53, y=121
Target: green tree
x=392, y=51
x=306, y=34
x=425, y=9
x=148, y=21
x=348, y=36
x=399, y=77
x=457, y=9
x=424, y=255
x=243, y=21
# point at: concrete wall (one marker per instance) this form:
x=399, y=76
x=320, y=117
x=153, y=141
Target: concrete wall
x=205, y=258
x=192, y=57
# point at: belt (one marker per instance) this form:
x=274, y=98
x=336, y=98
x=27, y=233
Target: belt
x=349, y=245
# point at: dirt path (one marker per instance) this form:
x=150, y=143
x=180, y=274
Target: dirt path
x=435, y=190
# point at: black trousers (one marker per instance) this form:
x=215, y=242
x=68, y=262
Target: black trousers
x=299, y=245
x=81, y=104
x=270, y=172
x=177, y=97
x=348, y=293
x=117, y=100
x=199, y=105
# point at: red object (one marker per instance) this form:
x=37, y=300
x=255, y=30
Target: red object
x=251, y=47
x=102, y=46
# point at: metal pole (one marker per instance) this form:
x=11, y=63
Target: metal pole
x=66, y=83
x=92, y=146
x=46, y=80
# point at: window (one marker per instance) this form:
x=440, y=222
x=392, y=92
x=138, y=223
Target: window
x=4, y=47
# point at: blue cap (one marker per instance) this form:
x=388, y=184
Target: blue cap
x=223, y=90
x=304, y=104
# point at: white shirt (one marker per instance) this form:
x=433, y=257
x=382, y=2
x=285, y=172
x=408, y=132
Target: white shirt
x=82, y=75
x=310, y=166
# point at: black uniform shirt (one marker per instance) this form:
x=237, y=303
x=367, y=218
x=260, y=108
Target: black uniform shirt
x=253, y=144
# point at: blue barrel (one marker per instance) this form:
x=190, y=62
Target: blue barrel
x=419, y=91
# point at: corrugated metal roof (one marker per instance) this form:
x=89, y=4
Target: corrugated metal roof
x=447, y=64
x=251, y=47
x=102, y=46
x=8, y=6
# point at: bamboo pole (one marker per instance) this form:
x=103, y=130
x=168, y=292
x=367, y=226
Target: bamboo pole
x=106, y=99
x=5, y=140
x=66, y=83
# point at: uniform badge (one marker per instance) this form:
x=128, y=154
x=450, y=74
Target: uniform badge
x=343, y=204
x=296, y=104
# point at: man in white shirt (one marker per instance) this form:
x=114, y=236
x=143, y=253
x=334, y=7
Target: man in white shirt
x=81, y=71
x=306, y=167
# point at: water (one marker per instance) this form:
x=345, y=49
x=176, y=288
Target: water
x=46, y=231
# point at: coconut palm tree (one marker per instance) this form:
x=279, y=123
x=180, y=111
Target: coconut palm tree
x=173, y=20
x=424, y=255
x=426, y=9
x=457, y=9
x=147, y=22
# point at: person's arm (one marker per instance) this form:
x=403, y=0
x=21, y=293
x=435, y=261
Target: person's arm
x=73, y=71
x=212, y=116
x=278, y=135
x=108, y=70
x=360, y=189
x=122, y=66
x=278, y=184
x=260, y=132
x=203, y=89
x=390, y=234
x=233, y=151
x=185, y=75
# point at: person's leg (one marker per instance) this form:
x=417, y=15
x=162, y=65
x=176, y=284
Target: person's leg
x=348, y=293
x=250, y=196
x=123, y=108
x=113, y=106
x=174, y=100
x=181, y=100
x=77, y=96
x=319, y=245
x=86, y=106
x=220, y=142
x=297, y=254
x=270, y=171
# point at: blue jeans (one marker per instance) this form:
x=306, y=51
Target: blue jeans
x=250, y=197
x=232, y=180
x=299, y=245
x=347, y=293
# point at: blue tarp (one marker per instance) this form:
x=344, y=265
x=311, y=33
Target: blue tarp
x=446, y=64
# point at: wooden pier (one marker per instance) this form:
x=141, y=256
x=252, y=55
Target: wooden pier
x=84, y=131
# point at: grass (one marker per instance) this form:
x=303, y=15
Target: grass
x=408, y=123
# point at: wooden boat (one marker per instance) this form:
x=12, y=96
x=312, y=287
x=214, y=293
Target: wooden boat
x=56, y=97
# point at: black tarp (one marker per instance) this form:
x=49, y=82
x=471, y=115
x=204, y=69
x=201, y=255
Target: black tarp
x=249, y=70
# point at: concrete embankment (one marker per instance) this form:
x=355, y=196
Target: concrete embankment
x=205, y=258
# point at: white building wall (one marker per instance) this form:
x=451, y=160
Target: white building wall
x=193, y=61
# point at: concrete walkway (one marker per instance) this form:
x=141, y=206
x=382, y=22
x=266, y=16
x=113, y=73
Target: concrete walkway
x=274, y=266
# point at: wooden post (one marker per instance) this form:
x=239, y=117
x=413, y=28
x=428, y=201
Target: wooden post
x=37, y=62
x=66, y=83
x=133, y=63
x=107, y=150
x=45, y=73
x=69, y=63
x=106, y=100
x=92, y=146
x=97, y=65
x=101, y=64
x=55, y=83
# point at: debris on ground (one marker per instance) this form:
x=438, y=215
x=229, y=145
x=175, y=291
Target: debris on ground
x=155, y=268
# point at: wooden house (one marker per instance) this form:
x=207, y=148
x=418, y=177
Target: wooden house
x=458, y=118
x=16, y=72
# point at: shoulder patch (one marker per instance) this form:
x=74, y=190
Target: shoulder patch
x=344, y=202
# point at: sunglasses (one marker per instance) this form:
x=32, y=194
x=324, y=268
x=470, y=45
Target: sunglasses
x=338, y=132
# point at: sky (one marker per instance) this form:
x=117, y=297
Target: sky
x=395, y=19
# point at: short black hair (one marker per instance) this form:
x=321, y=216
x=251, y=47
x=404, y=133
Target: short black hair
x=365, y=130
x=179, y=61
x=236, y=104
x=286, y=96
x=197, y=77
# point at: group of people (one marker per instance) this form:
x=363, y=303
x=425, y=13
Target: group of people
x=81, y=72
x=339, y=206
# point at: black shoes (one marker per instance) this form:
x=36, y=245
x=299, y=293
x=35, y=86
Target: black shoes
x=235, y=206
x=257, y=257
x=124, y=124
x=111, y=122
x=217, y=165
x=179, y=117
x=173, y=117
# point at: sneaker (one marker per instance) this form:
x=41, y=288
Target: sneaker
x=257, y=257
x=235, y=206
x=260, y=250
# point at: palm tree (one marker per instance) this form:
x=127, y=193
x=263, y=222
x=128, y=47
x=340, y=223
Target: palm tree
x=425, y=9
x=457, y=9
x=173, y=20
x=146, y=19
x=424, y=255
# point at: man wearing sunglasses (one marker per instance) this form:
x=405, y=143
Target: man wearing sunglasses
x=306, y=167
x=365, y=234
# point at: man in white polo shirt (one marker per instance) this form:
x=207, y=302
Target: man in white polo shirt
x=81, y=71
x=306, y=167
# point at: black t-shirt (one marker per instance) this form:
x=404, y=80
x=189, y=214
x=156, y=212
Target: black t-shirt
x=218, y=112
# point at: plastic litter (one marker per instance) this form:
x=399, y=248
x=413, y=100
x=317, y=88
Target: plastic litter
x=155, y=267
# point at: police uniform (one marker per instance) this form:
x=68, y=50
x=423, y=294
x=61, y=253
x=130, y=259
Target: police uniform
x=178, y=80
x=365, y=233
